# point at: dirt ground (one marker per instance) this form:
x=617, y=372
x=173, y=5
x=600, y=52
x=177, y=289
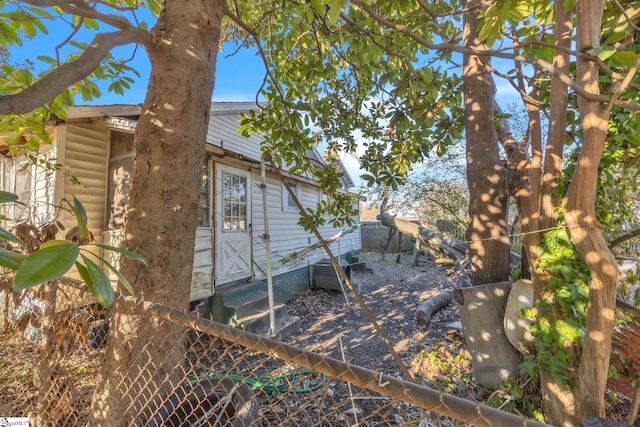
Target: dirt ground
x=335, y=325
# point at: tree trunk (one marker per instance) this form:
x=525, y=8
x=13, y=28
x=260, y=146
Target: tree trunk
x=493, y=358
x=169, y=143
x=558, y=400
x=586, y=231
x=486, y=176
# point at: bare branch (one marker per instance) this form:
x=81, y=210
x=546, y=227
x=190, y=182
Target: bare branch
x=252, y=32
x=628, y=236
x=54, y=83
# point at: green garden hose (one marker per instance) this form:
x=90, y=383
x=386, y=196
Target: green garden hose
x=279, y=384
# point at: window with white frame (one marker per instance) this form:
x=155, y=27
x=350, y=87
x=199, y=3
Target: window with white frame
x=18, y=179
x=32, y=179
x=234, y=202
x=288, y=204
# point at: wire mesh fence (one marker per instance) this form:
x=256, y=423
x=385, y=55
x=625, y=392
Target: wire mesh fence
x=73, y=363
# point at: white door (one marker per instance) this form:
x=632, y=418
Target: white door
x=233, y=224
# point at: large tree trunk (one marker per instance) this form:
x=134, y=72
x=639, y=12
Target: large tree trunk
x=586, y=231
x=169, y=143
x=486, y=176
x=489, y=248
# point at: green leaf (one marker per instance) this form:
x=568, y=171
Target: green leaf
x=6, y=197
x=127, y=253
x=155, y=7
x=334, y=11
x=10, y=237
x=11, y=260
x=123, y=280
x=603, y=52
x=81, y=217
x=628, y=59
x=97, y=282
x=8, y=35
x=46, y=264
x=80, y=209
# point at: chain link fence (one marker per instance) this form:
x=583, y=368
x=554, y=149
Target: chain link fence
x=66, y=361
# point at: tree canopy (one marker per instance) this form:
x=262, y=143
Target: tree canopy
x=401, y=78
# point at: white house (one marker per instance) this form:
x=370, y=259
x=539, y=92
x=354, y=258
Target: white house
x=95, y=145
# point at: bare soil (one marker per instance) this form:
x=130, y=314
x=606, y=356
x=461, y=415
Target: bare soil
x=335, y=325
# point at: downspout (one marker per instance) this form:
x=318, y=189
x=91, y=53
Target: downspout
x=272, y=315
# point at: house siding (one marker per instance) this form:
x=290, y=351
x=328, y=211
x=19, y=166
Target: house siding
x=223, y=133
x=84, y=151
x=287, y=237
x=85, y=148
x=202, y=279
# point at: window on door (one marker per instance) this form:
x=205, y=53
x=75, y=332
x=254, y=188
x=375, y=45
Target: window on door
x=234, y=201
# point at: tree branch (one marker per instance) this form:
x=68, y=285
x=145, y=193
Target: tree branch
x=54, y=83
x=83, y=10
x=628, y=236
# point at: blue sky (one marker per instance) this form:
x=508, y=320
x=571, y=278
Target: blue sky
x=239, y=73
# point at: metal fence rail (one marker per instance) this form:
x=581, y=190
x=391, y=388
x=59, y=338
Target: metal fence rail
x=220, y=376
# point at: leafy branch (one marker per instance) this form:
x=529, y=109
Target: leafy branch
x=54, y=258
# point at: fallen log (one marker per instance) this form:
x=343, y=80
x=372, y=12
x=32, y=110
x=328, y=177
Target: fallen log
x=426, y=308
x=453, y=248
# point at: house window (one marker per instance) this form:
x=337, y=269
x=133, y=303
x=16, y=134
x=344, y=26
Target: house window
x=234, y=202
x=288, y=204
x=204, y=196
x=17, y=179
x=23, y=189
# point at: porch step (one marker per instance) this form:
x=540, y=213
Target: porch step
x=247, y=306
x=242, y=292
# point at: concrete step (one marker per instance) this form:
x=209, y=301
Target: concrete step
x=240, y=292
x=287, y=326
x=247, y=306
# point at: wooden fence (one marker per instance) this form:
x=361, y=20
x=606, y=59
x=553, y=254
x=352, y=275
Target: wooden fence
x=375, y=236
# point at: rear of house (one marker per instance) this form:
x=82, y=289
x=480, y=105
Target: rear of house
x=95, y=145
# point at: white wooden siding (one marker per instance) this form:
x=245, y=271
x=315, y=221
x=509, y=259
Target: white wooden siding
x=202, y=279
x=223, y=132
x=84, y=151
x=286, y=236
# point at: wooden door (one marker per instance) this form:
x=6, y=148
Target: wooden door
x=233, y=224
